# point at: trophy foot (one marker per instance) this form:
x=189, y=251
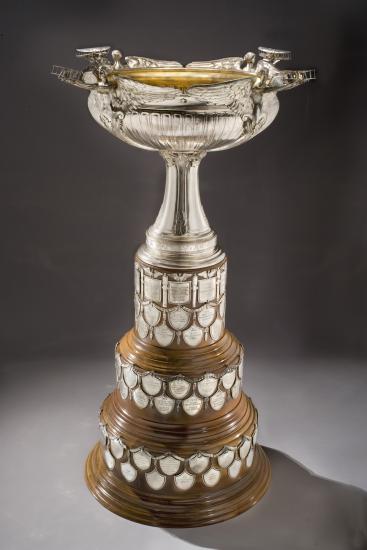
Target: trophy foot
x=195, y=510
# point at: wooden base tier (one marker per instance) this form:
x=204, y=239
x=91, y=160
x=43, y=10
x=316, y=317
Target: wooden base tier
x=196, y=509
x=179, y=436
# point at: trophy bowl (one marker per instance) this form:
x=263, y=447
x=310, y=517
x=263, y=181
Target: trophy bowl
x=183, y=110
x=178, y=433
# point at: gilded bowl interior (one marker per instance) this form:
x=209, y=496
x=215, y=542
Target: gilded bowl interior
x=182, y=78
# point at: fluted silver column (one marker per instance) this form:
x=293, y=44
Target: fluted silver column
x=181, y=235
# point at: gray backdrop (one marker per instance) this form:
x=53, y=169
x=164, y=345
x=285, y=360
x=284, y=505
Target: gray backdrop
x=289, y=207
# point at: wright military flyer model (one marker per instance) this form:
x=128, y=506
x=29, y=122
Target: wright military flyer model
x=178, y=444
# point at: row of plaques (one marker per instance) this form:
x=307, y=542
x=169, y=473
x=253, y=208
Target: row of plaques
x=192, y=336
x=149, y=389
x=197, y=289
x=185, y=472
x=179, y=317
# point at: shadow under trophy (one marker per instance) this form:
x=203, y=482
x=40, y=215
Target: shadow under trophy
x=179, y=435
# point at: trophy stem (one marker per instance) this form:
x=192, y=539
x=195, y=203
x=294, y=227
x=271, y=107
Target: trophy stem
x=181, y=235
x=181, y=212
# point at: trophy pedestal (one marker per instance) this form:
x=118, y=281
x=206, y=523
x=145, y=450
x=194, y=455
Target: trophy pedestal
x=178, y=433
x=179, y=458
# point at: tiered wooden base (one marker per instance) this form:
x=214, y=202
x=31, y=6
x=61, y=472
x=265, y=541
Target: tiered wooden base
x=150, y=466
x=196, y=509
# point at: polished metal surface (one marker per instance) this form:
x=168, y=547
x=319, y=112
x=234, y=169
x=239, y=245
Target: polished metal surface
x=183, y=113
x=180, y=308
x=273, y=55
x=181, y=234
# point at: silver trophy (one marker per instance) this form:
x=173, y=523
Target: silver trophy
x=179, y=434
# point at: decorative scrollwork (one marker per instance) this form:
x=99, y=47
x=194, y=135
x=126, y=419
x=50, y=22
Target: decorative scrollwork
x=135, y=62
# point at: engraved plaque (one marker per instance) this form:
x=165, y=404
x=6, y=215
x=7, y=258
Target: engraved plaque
x=245, y=447
x=223, y=279
x=151, y=384
x=137, y=280
x=142, y=459
x=234, y=469
x=118, y=363
x=103, y=429
x=192, y=405
x=103, y=439
x=222, y=308
x=225, y=458
x=207, y=386
x=155, y=480
x=250, y=458
x=179, y=388
x=254, y=436
x=178, y=318
x=193, y=335
x=164, y=404
x=152, y=314
x=240, y=370
x=169, y=465
x=152, y=289
x=118, y=372
x=123, y=390
x=217, y=400
x=140, y=398
x=178, y=293
x=130, y=377
x=235, y=391
x=228, y=379
x=117, y=448
x=109, y=460
x=198, y=463
x=142, y=327
x=184, y=481
x=206, y=316
x=137, y=307
x=164, y=335
x=128, y=471
x=207, y=288
x=211, y=477
x=216, y=329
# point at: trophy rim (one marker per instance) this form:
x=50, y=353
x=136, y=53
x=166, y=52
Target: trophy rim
x=181, y=77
